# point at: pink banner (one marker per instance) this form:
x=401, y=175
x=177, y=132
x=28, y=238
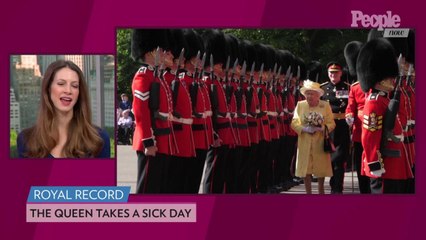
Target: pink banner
x=112, y=212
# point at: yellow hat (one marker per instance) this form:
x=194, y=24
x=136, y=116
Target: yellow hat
x=310, y=85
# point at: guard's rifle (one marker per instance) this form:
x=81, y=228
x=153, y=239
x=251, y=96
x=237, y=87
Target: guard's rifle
x=226, y=81
x=240, y=90
x=390, y=117
x=176, y=84
x=286, y=88
x=297, y=89
x=193, y=91
x=409, y=77
x=249, y=93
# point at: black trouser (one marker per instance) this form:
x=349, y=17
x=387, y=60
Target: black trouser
x=341, y=140
x=252, y=168
x=214, y=175
x=235, y=170
x=289, y=152
x=178, y=174
x=411, y=188
x=363, y=181
x=152, y=173
x=243, y=174
x=194, y=171
x=262, y=166
x=380, y=185
x=271, y=167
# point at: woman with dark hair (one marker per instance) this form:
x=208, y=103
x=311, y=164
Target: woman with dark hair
x=64, y=124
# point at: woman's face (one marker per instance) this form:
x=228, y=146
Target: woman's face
x=64, y=90
x=312, y=97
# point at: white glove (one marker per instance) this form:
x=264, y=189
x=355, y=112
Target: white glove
x=350, y=121
x=309, y=129
x=378, y=173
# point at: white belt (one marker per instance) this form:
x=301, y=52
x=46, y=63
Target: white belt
x=183, y=120
x=273, y=114
x=228, y=115
x=282, y=114
x=411, y=122
x=208, y=113
x=203, y=114
x=400, y=137
x=169, y=116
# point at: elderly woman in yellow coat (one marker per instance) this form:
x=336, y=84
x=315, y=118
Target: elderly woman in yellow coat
x=309, y=121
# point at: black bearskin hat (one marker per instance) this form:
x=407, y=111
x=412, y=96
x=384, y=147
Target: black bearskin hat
x=251, y=54
x=298, y=61
x=215, y=43
x=262, y=54
x=146, y=40
x=376, y=61
x=177, y=42
x=351, y=52
x=193, y=44
x=315, y=70
x=233, y=47
x=411, y=47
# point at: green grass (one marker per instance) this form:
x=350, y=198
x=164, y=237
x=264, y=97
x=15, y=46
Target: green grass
x=13, y=147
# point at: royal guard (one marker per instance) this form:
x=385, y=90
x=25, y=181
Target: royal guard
x=289, y=104
x=278, y=88
x=384, y=159
x=262, y=120
x=354, y=113
x=215, y=171
x=253, y=109
x=408, y=86
x=241, y=166
x=182, y=117
x=153, y=138
x=191, y=77
x=336, y=92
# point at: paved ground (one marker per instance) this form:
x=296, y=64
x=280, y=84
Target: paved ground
x=127, y=162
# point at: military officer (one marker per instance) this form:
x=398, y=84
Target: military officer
x=336, y=92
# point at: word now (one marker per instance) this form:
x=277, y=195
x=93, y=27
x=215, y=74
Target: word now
x=375, y=21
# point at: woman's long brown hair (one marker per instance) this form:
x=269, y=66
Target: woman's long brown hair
x=83, y=138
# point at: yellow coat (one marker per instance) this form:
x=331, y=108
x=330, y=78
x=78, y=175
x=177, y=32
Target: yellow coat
x=312, y=145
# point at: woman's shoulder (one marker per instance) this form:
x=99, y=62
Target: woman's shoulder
x=106, y=149
x=21, y=141
x=104, y=134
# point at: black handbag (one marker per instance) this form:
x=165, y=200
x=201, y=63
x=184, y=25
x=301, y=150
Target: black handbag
x=328, y=142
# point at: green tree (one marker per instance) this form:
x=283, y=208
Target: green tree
x=126, y=66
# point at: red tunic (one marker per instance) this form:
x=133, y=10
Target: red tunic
x=355, y=107
x=199, y=125
x=251, y=114
x=223, y=117
x=143, y=134
x=396, y=168
x=289, y=107
x=182, y=126
x=280, y=110
x=263, y=121
x=241, y=119
x=409, y=133
x=272, y=113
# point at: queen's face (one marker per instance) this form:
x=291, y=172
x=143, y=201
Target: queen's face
x=312, y=97
x=64, y=90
